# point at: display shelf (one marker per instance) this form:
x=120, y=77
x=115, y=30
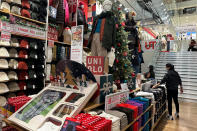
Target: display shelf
x=145, y=124
x=22, y=17
x=124, y=129
x=160, y=107
x=18, y=34
x=156, y=123
x=136, y=90
x=58, y=42
x=92, y=106
x=8, y=122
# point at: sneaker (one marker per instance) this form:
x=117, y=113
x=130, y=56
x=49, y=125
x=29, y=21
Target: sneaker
x=177, y=115
x=170, y=117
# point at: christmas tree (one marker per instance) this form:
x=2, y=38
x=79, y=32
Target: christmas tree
x=122, y=65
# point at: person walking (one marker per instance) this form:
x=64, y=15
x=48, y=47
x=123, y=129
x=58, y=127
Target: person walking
x=172, y=80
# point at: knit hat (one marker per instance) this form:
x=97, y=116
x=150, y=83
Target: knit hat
x=34, y=7
x=14, y=42
x=31, y=64
x=22, y=65
x=23, y=54
x=3, y=64
x=3, y=88
x=13, y=53
x=3, y=101
x=13, y=64
x=25, y=13
x=22, y=85
x=32, y=74
x=31, y=85
x=23, y=75
x=33, y=45
x=16, y=1
x=4, y=52
x=12, y=75
x=25, y=4
x=5, y=6
x=4, y=77
x=24, y=44
x=16, y=10
x=33, y=55
x=13, y=86
x=4, y=43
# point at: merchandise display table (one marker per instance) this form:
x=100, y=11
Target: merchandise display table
x=14, y=125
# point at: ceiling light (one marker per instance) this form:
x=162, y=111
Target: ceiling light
x=120, y=5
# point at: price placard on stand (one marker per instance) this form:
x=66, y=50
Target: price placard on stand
x=77, y=43
x=51, y=43
x=113, y=99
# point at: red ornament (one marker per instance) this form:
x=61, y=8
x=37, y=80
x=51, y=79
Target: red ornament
x=119, y=44
x=117, y=26
x=125, y=54
x=133, y=74
x=123, y=24
x=117, y=61
x=119, y=8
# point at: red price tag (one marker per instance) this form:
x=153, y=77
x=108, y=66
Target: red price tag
x=51, y=43
x=5, y=36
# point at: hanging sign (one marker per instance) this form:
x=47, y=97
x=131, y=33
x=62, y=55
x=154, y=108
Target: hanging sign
x=52, y=33
x=95, y=64
x=149, y=45
x=116, y=98
x=77, y=43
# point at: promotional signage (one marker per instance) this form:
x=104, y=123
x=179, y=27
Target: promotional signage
x=52, y=33
x=95, y=64
x=22, y=30
x=77, y=44
x=149, y=45
x=117, y=98
x=5, y=36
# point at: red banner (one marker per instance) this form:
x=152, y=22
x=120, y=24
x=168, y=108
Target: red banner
x=95, y=64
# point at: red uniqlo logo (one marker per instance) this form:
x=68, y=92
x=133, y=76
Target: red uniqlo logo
x=150, y=45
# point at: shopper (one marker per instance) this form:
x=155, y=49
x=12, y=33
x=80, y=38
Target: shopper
x=192, y=45
x=172, y=81
x=138, y=81
x=150, y=74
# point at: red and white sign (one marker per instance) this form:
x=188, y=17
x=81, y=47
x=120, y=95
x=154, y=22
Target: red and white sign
x=77, y=44
x=52, y=33
x=51, y=43
x=5, y=36
x=149, y=45
x=95, y=64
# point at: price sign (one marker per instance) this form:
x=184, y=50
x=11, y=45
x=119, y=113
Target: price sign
x=5, y=36
x=51, y=43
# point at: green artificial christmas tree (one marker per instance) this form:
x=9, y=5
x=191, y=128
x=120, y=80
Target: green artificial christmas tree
x=122, y=65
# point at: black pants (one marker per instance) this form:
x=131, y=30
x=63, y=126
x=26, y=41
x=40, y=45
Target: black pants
x=172, y=94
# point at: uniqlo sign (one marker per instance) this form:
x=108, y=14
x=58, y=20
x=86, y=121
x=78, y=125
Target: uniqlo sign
x=95, y=64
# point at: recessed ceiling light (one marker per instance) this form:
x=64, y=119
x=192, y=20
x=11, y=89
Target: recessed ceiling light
x=120, y=5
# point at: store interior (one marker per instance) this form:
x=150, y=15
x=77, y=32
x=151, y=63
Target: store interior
x=98, y=65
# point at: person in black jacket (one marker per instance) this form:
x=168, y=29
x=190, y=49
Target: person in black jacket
x=172, y=81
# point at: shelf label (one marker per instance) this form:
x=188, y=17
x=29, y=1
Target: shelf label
x=51, y=43
x=5, y=36
x=5, y=26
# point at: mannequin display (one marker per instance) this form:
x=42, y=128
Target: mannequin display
x=130, y=26
x=103, y=33
x=67, y=35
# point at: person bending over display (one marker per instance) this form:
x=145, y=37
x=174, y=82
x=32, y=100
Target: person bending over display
x=150, y=74
x=172, y=81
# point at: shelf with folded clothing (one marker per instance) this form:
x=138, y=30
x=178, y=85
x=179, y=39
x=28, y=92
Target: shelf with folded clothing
x=22, y=17
x=156, y=123
x=164, y=104
x=130, y=124
x=149, y=120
